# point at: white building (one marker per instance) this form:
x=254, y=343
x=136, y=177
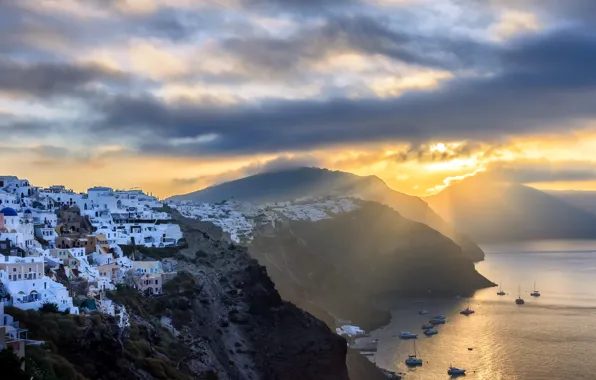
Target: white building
x=29, y=288
x=18, y=229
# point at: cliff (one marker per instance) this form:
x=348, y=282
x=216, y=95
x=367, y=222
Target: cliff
x=220, y=318
x=342, y=263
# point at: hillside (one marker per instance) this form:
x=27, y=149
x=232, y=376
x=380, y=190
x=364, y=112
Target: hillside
x=221, y=318
x=293, y=184
x=495, y=211
x=360, y=255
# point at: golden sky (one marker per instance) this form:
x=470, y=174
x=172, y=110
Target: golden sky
x=176, y=95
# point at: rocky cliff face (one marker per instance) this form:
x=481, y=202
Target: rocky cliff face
x=341, y=264
x=239, y=327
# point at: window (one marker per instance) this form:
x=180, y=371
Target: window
x=14, y=269
x=156, y=282
x=29, y=269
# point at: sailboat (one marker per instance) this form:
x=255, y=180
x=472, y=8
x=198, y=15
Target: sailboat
x=519, y=300
x=535, y=293
x=454, y=371
x=467, y=311
x=413, y=360
x=500, y=292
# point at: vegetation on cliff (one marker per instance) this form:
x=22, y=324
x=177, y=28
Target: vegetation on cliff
x=94, y=347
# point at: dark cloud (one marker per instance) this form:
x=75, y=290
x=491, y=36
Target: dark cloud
x=422, y=153
x=47, y=79
x=553, y=10
x=366, y=35
x=543, y=83
x=38, y=33
x=302, y=7
x=12, y=127
x=51, y=151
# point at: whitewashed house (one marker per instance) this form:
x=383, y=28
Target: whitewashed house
x=29, y=288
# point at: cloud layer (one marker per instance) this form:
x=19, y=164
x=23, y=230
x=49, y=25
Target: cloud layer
x=207, y=79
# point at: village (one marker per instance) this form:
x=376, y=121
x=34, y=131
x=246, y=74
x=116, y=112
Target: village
x=63, y=250
x=239, y=219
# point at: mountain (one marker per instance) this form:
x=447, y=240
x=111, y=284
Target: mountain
x=297, y=183
x=492, y=210
x=338, y=263
x=584, y=200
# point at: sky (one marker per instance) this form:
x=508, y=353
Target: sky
x=176, y=95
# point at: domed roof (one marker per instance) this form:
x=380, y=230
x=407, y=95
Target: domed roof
x=7, y=211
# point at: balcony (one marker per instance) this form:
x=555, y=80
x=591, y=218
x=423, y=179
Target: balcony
x=13, y=333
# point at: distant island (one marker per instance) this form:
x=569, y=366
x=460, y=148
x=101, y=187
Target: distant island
x=491, y=210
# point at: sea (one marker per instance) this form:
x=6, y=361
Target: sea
x=551, y=337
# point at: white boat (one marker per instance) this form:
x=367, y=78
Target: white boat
x=519, y=300
x=454, y=371
x=437, y=321
x=500, y=292
x=413, y=360
x=407, y=335
x=430, y=332
x=423, y=312
x=535, y=293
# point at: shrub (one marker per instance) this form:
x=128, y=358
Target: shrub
x=49, y=307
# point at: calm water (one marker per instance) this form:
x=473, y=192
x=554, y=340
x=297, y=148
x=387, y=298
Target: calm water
x=551, y=337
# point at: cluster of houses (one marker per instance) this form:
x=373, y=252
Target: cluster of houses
x=52, y=238
x=239, y=219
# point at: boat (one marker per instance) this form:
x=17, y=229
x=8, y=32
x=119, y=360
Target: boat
x=436, y=321
x=430, y=332
x=500, y=292
x=535, y=293
x=467, y=311
x=454, y=371
x=413, y=360
x=441, y=316
x=427, y=326
x=423, y=312
x=519, y=300
x=407, y=335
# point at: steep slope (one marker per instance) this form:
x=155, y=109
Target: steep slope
x=220, y=318
x=313, y=182
x=583, y=200
x=338, y=264
x=493, y=211
x=241, y=316
x=242, y=320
